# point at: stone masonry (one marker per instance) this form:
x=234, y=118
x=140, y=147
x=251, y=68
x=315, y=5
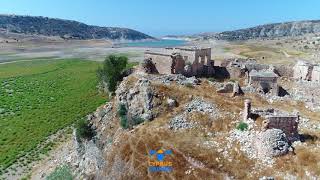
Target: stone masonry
x=306, y=71
x=187, y=61
x=288, y=123
x=264, y=81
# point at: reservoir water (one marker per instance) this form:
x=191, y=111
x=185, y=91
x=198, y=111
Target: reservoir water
x=156, y=44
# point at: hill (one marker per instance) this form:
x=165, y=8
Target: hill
x=66, y=29
x=275, y=30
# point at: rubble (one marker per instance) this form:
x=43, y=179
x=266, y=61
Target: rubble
x=271, y=143
x=196, y=105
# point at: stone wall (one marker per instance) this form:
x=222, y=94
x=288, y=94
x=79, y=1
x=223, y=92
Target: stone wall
x=265, y=84
x=284, y=70
x=288, y=124
x=186, y=61
x=162, y=62
x=302, y=71
x=316, y=74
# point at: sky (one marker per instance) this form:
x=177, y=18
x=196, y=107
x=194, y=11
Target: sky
x=164, y=17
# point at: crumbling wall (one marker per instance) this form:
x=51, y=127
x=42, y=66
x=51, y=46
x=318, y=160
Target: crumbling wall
x=149, y=67
x=255, y=66
x=284, y=70
x=186, y=61
x=236, y=71
x=302, y=71
x=162, y=62
x=288, y=124
x=265, y=84
x=316, y=74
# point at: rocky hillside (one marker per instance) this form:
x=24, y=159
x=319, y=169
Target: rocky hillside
x=275, y=30
x=200, y=127
x=65, y=29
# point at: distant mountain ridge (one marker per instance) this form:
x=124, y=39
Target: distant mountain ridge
x=66, y=29
x=295, y=28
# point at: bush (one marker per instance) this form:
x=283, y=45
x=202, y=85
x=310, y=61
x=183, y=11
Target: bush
x=242, y=126
x=124, y=121
x=122, y=112
x=61, y=172
x=84, y=130
x=111, y=72
x=137, y=120
x=212, y=79
x=189, y=85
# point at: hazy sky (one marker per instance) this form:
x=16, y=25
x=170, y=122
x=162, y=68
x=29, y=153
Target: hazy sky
x=162, y=17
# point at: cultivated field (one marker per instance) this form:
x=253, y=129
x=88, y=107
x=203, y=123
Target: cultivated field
x=38, y=98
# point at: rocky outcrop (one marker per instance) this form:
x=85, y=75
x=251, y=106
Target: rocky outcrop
x=138, y=99
x=65, y=29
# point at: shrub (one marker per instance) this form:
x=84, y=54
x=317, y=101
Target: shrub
x=189, y=85
x=242, y=126
x=124, y=121
x=137, y=120
x=112, y=69
x=61, y=172
x=212, y=79
x=84, y=130
x=122, y=112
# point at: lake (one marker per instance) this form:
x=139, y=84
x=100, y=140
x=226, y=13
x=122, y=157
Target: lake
x=156, y=44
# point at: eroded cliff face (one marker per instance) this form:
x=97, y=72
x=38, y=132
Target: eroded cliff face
x=193, y=121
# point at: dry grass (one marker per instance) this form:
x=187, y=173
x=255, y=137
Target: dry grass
x=189, y=153
x=304, y=160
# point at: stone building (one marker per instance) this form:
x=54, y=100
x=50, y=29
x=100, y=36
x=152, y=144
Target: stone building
x=264, y=81
x=274, y=119
x=302, y=71
x=287, y=123
x=306, y=71
x=187, y=61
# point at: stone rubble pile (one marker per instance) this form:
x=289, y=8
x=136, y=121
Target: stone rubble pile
x=168, y=79
x=272, y=143
x=196, y=105
x=199, y=105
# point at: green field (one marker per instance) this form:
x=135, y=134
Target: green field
x=37, y=98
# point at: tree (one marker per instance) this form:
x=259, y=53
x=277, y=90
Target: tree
x=111, y=72
x=84, y=130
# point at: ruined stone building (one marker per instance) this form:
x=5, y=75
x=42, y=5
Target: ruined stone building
x=187, y=61
x=287, y=123
x=273, y=119
x=306, y=71
x=264, y=81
